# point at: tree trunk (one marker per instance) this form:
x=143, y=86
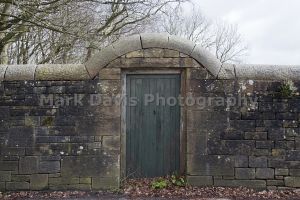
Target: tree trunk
x=4, y=55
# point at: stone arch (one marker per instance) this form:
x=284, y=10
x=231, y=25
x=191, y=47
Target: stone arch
x=152, y=40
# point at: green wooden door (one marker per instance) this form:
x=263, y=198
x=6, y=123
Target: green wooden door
x=152, y=128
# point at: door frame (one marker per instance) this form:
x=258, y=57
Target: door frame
x=183, y=114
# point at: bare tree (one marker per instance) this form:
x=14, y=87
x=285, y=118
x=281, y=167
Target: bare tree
x=221, y=39
x=68, y=30
x=228, y=43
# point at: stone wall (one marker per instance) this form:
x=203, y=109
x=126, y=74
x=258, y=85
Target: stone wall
x=254, y=145
x=73, y=146
x=76, y=143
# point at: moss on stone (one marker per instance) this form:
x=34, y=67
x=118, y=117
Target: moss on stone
x=48, y=121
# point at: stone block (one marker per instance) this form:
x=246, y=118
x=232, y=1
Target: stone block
x=171, y=53
x=228, y=177
x=50, y=158
x=258, y=161
x=267, y=144
x=5, y=176
x=99, y=127
x=197, y=143
x=156, y=62
x=20, y=137
x=297, y=143
x=63, y=180
x=270, y=188
x=244, y=125
x=13, y=151
x=10, y=186
x=200, y=180
x=54, y=175
x=264, y=173
x=281, y=172
x=241, y=161
x=293, y=155
x=110, y=74
x=210, y=165
x=154, y=53
x=232, y=135
x=49, y=167
x=275, y=182
x=245, y=173
x=279, y=177
x=20, y=72
x=198, y=73
x=87, y=166
x=39, y=181
x=135, y=54
x=85, y=180
x=20, y=178
x=243, y=147
x=267, y=115
x=278, y=152
x=56, y=89
x=282, y=163
x=256, y=135
x=294, y=172
x=261, y=152
x=28, y=165
x=286, y=116
x=2, y=186
x=291, y=181
x=111, y=87
x=9, y=165
x=111, y=143
x=259, y=184
x=79, y=187
x=99, y=183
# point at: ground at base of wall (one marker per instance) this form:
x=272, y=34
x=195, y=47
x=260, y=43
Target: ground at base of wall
x=143, y=189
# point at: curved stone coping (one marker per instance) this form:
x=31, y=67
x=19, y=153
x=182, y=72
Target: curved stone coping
x=260, y=72
x=79, y=72
x=152, y=40
x=144, y=41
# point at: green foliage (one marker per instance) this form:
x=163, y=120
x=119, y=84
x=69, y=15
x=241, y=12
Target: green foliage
x=48, y=121
x=174, y=180
x=159, y=184
x=287, y=89
x=178, y=180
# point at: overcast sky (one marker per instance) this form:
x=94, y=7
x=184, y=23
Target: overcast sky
x=271, y=28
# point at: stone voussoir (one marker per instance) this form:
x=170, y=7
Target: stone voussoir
x=100, y=60
x=210, y=62
x=128, y=44
x=180, y=44
x=155, y=40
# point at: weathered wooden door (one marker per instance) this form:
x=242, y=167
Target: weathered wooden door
x=152, y=127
